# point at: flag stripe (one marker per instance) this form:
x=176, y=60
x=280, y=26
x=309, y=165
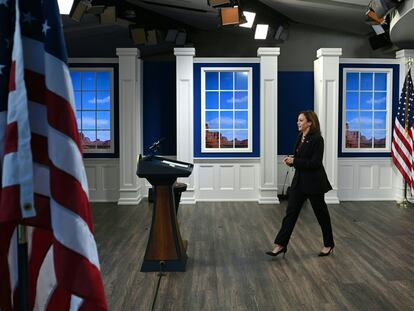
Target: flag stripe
x=11, y=138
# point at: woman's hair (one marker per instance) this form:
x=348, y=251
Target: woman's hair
x=313, y=118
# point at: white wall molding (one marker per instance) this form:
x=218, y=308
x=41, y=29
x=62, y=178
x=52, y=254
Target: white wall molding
x=130, y=123
x=185, y=115
x=326, y=77
x=103, y=179
x=268, y=125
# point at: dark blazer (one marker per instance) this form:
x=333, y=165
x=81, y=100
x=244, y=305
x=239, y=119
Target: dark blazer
x=310, y=176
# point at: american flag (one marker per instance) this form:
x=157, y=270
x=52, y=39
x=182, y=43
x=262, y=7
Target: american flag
x=41, y=166
x=402, y=143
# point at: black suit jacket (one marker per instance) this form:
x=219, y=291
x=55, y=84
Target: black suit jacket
x=310, y=176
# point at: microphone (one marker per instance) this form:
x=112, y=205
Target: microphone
x=155, y=146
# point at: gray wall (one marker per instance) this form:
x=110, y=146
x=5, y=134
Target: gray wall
x=297, y=53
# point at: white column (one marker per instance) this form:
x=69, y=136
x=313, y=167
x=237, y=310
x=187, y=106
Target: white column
x=185, y=116
x=130, y=125
x=268, y=125
x=398, y=181
x=326, y=79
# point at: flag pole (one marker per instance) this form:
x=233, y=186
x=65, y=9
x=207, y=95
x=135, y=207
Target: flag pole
x=23, y=267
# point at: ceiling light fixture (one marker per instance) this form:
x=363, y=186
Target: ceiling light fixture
x=65, y=6
x=250, y=16
x=261, y=31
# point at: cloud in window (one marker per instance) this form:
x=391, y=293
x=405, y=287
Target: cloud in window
x=90, y=123
x=104, y=100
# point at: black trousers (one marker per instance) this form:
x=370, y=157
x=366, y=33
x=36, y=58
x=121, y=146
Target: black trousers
x=295, y=203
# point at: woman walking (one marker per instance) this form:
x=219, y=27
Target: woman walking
x=309, y=182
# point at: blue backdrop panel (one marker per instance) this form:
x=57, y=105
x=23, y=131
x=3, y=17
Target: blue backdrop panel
x=159, y=105
x=295, y=94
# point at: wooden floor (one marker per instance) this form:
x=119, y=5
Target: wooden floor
x=372, y=267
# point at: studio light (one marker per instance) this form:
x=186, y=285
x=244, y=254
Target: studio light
x=378, y=29
x=250, y=16
x=65, y=6
x=230, y=16
x=261, y=31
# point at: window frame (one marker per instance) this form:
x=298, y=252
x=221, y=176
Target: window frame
x=249, y=71
x=112, y=150
x=389, y=105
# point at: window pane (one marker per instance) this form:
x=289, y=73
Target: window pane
x=380, y=100
x=88, y=101
x=88, y=81
x=365, y=120
x=103, y=121
x=76, y=82
x=351, y=100
x=352, y=121
x=366, y=139
x=351, y=139
x=88, y=139
x=103, y=140
x=212, y=120
x=241, y=100
x=352, y=81
x=366, y=81
x=240, y=139
x=78, y=102
x=88, y=120
x=226, y=100
x=226, y=80
x=212, y=81
x=241, y=80
x=226, y=140
x=379, y=138
x=380, y=120
x=212, y=100
x=103, y=81
x=366, y=101
x=226, y=120
x=212, y=139
x=103, y=100
x=380, y=81
x=241, y=120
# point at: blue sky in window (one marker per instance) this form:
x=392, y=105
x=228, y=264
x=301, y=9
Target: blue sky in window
x=366, y=81
x=366, y=100
x=380, y=100
x=240, y=100
x=241, y=79
x=103, y=81
x=75, y=75
x=352, y=81
x=88, y=81
x=380, y=120
x=212, y=119
x=226, y=120
x=211, y=80
x=241, y=120
x=240, y=134
x=380, y=81
x=365, y=120
x=352, y=118
x=226, y=80
x=88, y=101
x=212, y=100
x=226, y=100
x=103, y=120
x=351, y=100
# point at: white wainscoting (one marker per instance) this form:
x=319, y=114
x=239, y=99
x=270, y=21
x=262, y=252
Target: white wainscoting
x=363, y=179
x=226, y=179
x=103, y=179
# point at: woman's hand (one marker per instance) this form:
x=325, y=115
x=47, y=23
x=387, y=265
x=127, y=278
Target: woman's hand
x=288, y=161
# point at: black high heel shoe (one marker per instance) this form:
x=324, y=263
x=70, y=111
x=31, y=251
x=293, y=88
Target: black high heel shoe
x=283, y=250
x=322, y=254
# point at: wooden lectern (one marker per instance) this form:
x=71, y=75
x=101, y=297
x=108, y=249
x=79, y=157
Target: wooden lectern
x=166, y=250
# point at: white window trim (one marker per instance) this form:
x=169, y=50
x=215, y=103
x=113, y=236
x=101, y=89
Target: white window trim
x=249, y=110
x=389, y=72
x=111, y=71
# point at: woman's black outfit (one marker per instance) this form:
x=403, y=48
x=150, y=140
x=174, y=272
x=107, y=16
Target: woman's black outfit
x=309, y=182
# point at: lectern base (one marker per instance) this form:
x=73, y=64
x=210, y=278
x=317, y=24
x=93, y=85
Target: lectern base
x=165, y=266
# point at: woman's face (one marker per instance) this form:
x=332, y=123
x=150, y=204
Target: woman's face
x=303, y=123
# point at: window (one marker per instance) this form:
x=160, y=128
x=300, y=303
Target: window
x=366, y=109
x=226, y=114
x=93, y=88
